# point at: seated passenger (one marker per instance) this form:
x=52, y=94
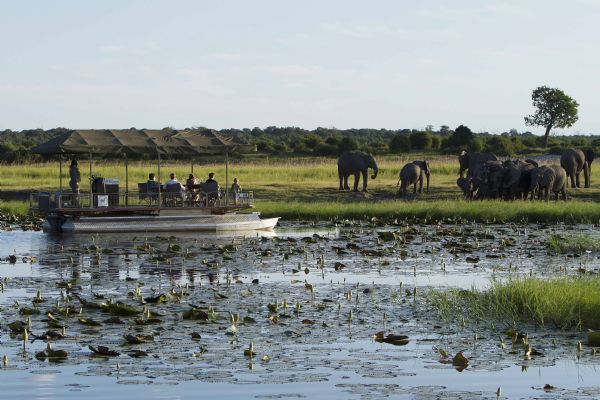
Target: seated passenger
x=152, y=184
x=194, y=191
x=191, y=180
x=173, y=183
x=211, y=179
x=172, y=180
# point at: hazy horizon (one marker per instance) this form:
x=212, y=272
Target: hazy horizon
x=343, y=64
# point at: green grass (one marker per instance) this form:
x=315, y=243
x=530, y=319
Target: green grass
x=490, y=211
x=14, y=207
x=563, y=244
x=564, y=302
x=308, y=189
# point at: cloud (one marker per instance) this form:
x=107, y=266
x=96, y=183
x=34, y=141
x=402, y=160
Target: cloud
x=446, y=13
x=111, y=48
x=293, y=39
x=133, y=50
x=378, y=31
x=224, y=56
x=204, y=81
x=362, y=31
x=286, y=69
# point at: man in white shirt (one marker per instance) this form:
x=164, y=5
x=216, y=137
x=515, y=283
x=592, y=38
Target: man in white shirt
x=172, y=180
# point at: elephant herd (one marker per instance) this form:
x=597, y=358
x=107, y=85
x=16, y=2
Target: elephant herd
x=490, y=178
x=483, y=175
x=358, y=163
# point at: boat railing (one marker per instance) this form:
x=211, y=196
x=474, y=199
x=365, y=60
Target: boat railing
x=45, y=202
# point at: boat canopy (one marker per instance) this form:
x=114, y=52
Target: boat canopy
x=189, y=142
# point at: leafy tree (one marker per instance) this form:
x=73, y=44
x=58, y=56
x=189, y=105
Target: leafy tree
x=325, y=149
x=436, y=142
x=476, y=144
x=461, y=137
x=444, y=130
x=347, y=144
x=420, y=140
x=311, y=140
x=378, y=147
x=554, y=109
x=500, y=145
x=400, y=143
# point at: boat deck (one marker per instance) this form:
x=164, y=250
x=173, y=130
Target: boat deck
x=125, y=211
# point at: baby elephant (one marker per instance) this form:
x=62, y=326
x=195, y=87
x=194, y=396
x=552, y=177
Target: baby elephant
x=411, y=174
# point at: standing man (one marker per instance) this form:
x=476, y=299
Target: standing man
x=75, y=178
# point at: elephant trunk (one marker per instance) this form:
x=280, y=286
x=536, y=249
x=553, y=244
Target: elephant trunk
x=427, y=176
x=375, y=170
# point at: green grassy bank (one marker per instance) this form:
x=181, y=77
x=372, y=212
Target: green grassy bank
x=419, y=211
x=564, y=302
x=308, y=189
x=480, y=211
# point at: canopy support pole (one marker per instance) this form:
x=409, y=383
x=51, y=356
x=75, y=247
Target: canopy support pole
x=91, y=184
x=192, y=166
x=126, y=181
x=59, y=200
x=159, y=181
x=226, y=178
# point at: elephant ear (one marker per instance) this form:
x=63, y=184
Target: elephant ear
x=426, y=164
x=589, y=155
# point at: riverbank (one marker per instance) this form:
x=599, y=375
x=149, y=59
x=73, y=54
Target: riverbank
x=394, y=211
x=307, y=189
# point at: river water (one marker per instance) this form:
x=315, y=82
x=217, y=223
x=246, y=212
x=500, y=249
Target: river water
x=340, y=284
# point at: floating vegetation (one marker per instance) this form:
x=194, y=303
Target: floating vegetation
x=314, y=308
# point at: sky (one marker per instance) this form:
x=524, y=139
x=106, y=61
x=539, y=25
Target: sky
x=335, y=63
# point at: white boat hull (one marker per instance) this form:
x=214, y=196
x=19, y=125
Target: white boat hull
x=172, y=222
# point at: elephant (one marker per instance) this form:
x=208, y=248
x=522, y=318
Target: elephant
x=411, y=174
x=546, y=179
x=574, y=161
x=466, y=185
x=514, y=180
x=481, y=189
x=473, y=162
x=525, y=179
x=355, y=163
x=506, y=180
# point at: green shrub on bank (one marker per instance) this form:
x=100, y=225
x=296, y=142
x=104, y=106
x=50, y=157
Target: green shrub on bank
x=565, y=302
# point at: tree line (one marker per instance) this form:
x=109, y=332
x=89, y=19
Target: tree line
x=331, y=142
x=553, y=109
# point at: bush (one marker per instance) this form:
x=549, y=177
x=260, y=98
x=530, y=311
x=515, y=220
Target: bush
x=378, y=147
x=264, y=146
x=347, y=144
x=557, y=150
x=325, y=149
x=420, y=140
x=436, y=142
x=312, y=141
x=399, y=144
x=499, y=145
x=529, y=142
x=476, y=145
x=462, y=136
